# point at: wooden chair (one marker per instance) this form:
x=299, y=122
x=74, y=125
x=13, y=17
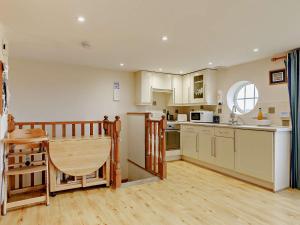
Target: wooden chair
x=31, y=145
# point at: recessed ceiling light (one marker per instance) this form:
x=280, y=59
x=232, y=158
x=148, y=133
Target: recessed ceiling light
x=80, y=19
x=122, y=64
x=210, y=63
x=164, y=38
x=160, y=69
x=181, y=72
x=256, y=50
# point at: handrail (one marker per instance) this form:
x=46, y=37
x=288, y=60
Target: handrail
x=106, y=127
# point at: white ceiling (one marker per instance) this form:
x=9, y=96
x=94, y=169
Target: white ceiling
x=221, y=31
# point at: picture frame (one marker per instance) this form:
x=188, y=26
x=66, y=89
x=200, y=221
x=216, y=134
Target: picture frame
x=278, y=77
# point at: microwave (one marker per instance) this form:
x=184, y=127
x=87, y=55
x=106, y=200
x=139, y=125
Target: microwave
x=201, y=116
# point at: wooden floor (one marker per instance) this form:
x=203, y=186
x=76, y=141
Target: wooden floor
x=190, y=195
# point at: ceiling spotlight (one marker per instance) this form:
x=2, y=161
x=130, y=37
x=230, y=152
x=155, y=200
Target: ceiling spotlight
x=164, y=38
x=181, y=72
x=210, y=63
x=81, y=19
x=122, y=64
x=160, y=69
x=256, y=50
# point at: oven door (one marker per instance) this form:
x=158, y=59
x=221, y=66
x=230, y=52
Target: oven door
x=172, y=140
x=195, y=116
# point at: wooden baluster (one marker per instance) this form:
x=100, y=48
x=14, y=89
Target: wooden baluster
x=151, y=145
x=91, y=129
x=162, y=164
x=63, y=127
x=73, y=129
x=82, y=129
x=32, y=159
x=20, y=161
x=116, y=163
x=99, y=128
x=155, y=147
x=53, y=131
x=43, y=126
x=147, y=149
x=105, y=125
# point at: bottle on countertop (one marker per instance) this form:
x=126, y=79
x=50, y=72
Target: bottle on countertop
x=168, y=115
x=260, y=115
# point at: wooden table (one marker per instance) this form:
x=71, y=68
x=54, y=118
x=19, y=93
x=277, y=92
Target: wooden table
x=79, y=162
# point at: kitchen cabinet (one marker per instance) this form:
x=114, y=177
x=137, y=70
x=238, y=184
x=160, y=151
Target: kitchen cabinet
x=258, y=155
x=177, y=89
x=161, y=81
x=224, y=152
x=186, y=89
x=205, y=144
x=203, y=87
x=254, y=153
x=143, y=88
x=189, y=142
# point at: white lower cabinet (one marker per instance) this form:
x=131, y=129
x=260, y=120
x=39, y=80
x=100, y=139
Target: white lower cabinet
x=189, y=144
x=205, y=145
x=254, y=153
x=224, y=152
x=258, y=156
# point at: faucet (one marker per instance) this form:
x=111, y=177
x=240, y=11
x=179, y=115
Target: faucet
x=233, y=120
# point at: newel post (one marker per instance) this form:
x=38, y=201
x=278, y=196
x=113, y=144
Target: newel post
x=147, y=148
x=116, y=162
x=105, y=125
x=162, y=164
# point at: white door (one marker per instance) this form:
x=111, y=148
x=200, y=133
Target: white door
x=189, y=144
x=197, y=87
x=177, y=89
x=205, y=147
x=224, y=152
x=254, y=153
x=146, y=88
x=161, y=81
x=186, y=89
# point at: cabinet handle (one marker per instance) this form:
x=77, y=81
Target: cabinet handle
x=197, y=150
x=215, y=152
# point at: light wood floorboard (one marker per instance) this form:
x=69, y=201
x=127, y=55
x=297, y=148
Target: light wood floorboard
x=190, y=195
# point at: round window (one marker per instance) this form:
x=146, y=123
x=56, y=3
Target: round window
x=244, y=96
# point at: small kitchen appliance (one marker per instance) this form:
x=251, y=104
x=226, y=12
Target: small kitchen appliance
x=201, y=116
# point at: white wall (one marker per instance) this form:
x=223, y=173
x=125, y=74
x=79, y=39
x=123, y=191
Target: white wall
x=258, y=73
x=53, y=92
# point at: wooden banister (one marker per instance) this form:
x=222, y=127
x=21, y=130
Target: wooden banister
x=106, y=127
x=155, y=147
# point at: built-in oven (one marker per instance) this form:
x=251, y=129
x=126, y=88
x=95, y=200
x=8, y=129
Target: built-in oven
x=172, y=137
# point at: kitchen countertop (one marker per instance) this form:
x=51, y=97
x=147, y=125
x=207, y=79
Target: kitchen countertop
x=245, y=127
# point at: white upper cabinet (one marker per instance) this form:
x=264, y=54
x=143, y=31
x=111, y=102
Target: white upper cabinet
x=161, y=81
x=186, y=89
x=177, y=89
x=203, y=87
x=143, y=88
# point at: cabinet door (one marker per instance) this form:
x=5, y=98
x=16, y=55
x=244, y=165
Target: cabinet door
x=186, y=89
x=189, y=144
x=254, y=153
x=177, y=90
x=205, y=147
x=224, y=152
x=197, y=88
x=161, y=81
x=143, y=88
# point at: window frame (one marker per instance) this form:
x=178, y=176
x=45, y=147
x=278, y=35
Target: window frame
x=254, y=98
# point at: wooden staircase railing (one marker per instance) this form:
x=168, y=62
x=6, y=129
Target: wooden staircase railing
x=79, y=128
x=156, y=147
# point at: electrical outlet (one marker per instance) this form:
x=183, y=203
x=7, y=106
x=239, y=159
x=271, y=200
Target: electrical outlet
x=154, y=102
